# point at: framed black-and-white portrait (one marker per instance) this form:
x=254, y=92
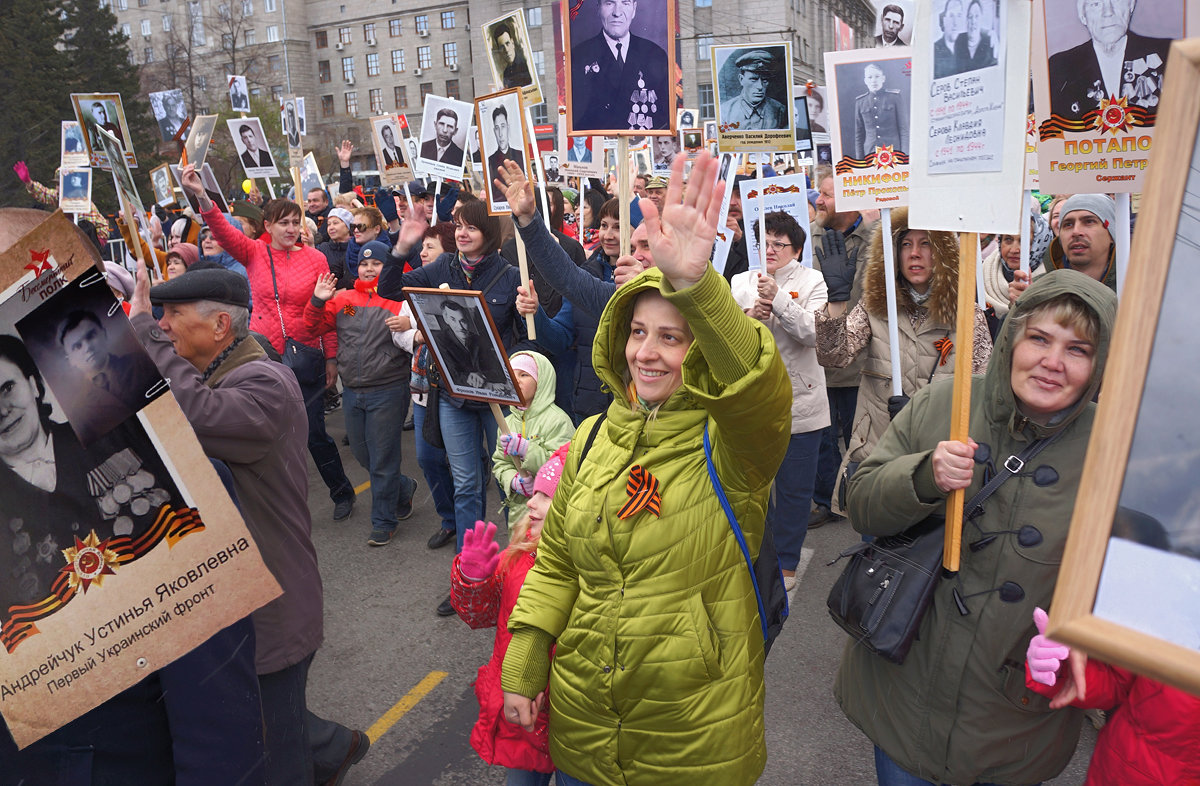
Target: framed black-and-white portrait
x=199, y=138
x=584, y=157
x=817, y=103
x=753, y=85
x=252, y=148
x=131, y=200
x=310, y=174
x=686, y=118
x=160, y=182
x=443, y=140
x=301, y=116
x=239, y=97
x=389, y=150
x=460, y=332
x=894, y=23
x=170, y=111
x=73, y=153
x=691, y=141
x=664, y=149
x=501, y=138
x=804, y=141
x=211, y=187
x=290, y=122
x=75, y=190
x=103, y=110
x=619, y=61
x=509, y=55
x=550, y=166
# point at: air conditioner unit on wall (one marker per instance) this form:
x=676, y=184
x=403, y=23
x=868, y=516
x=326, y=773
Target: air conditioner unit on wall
x=339, y=46
x=454, y=66
x=349, y=80
x=423, y=33
x=418, y=71
x=371, y=42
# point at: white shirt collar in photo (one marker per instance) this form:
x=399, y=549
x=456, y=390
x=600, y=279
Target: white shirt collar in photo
x=1111, y=67
x=612, y=46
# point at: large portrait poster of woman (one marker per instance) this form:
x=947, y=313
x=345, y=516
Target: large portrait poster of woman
x=118, y=543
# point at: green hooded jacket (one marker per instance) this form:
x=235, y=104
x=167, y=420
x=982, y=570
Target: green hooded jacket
x=542, y=423
x=957, y=711
x=658, y=670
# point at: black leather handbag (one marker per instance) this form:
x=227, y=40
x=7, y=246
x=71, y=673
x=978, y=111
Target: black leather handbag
x=885, y=590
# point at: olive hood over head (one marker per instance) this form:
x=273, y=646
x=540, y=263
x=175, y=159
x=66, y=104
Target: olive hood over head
x=1001, y=403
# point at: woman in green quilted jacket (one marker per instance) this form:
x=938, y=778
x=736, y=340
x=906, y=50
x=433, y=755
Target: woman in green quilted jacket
x=639, y=581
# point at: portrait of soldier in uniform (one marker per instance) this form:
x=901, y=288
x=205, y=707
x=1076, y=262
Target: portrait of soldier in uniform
x=880, y=116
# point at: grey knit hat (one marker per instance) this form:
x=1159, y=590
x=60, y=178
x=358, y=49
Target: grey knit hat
x=1103, y=207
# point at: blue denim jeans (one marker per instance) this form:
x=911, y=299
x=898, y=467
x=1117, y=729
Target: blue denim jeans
x=467, y=432
x=563, y=779
x=527, y=778
x=436, y=470
x=374, y=425
x=320, y=445
x=787, y=513
x=890, y=773
x=842, y=402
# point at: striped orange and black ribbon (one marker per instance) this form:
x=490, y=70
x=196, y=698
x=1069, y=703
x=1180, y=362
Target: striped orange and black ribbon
x=1057, y=126
x=847, y=164
x=642, y=488
x=944, y=346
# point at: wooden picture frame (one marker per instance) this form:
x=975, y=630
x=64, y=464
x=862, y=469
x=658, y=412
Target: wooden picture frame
x=606, y=107
x=112, y=119
x=452, y=346
x=1133, y=618
x=513, y=103
x=162, y=184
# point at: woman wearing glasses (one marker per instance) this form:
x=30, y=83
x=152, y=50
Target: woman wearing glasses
x=786, y=299
x=958, y=709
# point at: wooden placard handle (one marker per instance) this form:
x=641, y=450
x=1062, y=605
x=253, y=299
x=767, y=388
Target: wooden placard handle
x=623, y=191
x=502, y=424
x=523, y=263
x=960, y=414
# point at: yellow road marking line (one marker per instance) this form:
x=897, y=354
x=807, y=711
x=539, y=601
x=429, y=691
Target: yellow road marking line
x=398, y=710
x=362, y=488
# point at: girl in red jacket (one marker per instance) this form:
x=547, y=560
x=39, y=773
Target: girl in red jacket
x=1151, y=737
x=484, y=586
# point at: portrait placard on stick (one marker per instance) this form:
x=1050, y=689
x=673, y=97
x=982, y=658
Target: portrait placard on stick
x=239, y=98
x=160, y=181
x=585, y=157
x=508, y=50
x=310, y=175
x=75, y=190
x=1129, y=589
x=787, y=194
x=464, y=340
x=73, y=154
x=869, y=92
x=969, y=126
x=127, y=552
x=501, y=138
x=103, y=110
x=389, y=155
x=443, y=140
x=252, y=148
x=211, y=187
x=170, y=111
x=754, y=97
x=199, y=137
x=620, y=55
x=1097, y=127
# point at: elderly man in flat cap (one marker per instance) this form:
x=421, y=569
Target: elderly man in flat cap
x=248, y=412
x=753, y=109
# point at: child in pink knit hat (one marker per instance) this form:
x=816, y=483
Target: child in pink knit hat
x=484, y=585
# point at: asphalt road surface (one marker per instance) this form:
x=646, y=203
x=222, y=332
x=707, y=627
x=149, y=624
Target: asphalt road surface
x=393, y=668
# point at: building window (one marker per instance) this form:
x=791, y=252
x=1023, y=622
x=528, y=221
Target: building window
x=146, y=27
x=534, y=17
x=452, y=89
x=202, y=82
x=450, y=53
x=369, y=32
x=247, y=8
x=122, y=5
x=326, y=106
x=394, y=28
x=422, y=23
x=703, y=44
x=143, y=3
x=166, y=23
x=227, y=41
x=540, y=116
x=223, y=11
x=251, y=36
x=352, y=103
x=276, y=92
x=344, y=35
x=274, y=63
x=539, y=62
x=322, y=39
x=372, y=64
x=323, y=71
x=196, y=14
x=447, y=20
x=272, y=33
x=426, y=89
x=397, y=61
x=269, y=6
x=704, y=3
x=148, y=55
x=424, y=58
x=401, y=94
x=376, y=96
x=347, y=68
x=126, y=30
x=708, y=110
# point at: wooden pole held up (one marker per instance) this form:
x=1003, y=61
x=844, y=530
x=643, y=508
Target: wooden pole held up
x=960, y=408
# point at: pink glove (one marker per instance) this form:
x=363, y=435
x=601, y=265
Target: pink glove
x=480, y=553
x=514, y=445
x=1044, y=656
x=22, y=172
x=522, y=485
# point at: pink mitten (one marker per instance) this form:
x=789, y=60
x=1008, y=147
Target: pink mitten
x=480, y=553
x=514, y=445
x=1044, y=655
x=522, y=485
x=22, y=172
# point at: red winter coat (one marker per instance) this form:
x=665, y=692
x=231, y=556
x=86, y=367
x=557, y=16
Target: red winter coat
x=483, y=604
x=1152, y=737
x=296, y=273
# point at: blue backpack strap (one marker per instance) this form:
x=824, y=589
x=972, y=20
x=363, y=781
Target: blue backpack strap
x=737, y=529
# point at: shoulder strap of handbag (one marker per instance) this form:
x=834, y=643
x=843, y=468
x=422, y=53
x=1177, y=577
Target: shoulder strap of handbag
x=495, y=277
x=275, y=285
x=1011, y=466
x=737, y=531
